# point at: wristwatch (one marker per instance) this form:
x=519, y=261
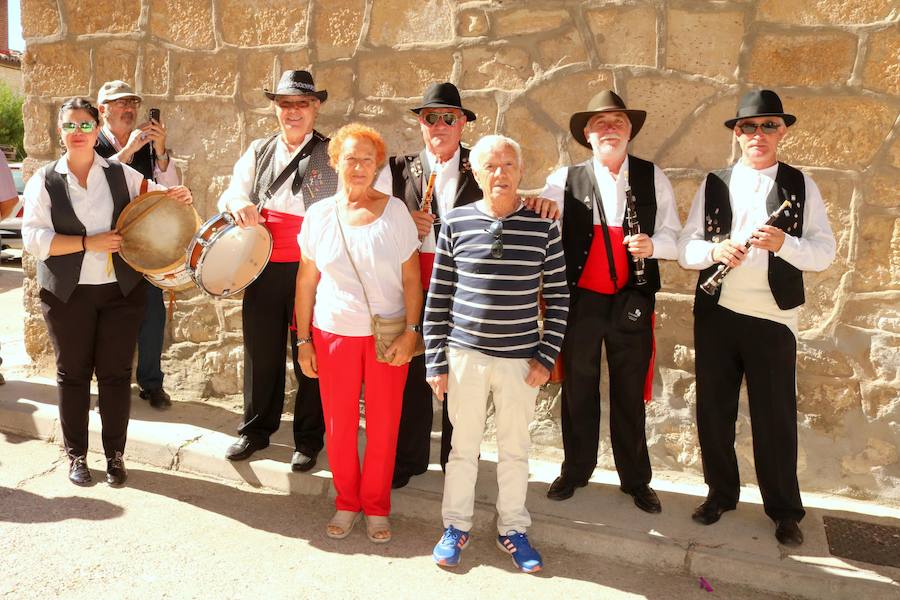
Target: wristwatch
x=306, y=340
x=415, y=327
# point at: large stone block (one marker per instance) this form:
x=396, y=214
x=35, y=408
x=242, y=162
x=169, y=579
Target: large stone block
x=103, y=16
x=398, y=22
x=884, y=356
x=485, y=108
x=205, y=73
x=704, y=42
x=881, y=187
x=500, y=67
x=878, y=453
x=522, y=21
x=668, y=102
x=563, y=49
x=338, y=80
x=815, y=59
x=817, y=12
x=207, y=131
x=881, y=71
x=257, y=72
x=880, y=400
x=39, y=18
x=625, y=34
x=705, y=144
x=472, y=23
x=56, y=70
x=826, y=402
x=297, y=60
x=843, y=132
x=562, y=95
x=817, y=358
x=685, y=187
x=156, y=70
x=538, y=145
x=402, y=74
x=263, y=23
x=185, y=23
x=40, y=127
x=115, y=60
x=259, y=124
x=877, y=264
x=336, y=26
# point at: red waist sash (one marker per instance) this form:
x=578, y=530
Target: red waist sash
x=284, y=228
x=595, y=275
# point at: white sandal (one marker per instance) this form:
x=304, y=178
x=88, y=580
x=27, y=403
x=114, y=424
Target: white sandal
x=378, y=529
x=341, y=524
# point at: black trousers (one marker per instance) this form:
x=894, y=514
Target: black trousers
x=94, y=332
x=268, y=312
x=728, y=347
x=150, y=341
x=628, y=358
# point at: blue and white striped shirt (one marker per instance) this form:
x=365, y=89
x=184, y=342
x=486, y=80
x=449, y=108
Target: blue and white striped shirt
x=490, y=304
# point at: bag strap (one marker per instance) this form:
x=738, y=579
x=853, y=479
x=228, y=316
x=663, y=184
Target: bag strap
x=605, y=229
x=337, y=215
x=293, y=166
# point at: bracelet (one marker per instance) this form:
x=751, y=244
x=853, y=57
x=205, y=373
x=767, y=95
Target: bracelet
x=306, y=340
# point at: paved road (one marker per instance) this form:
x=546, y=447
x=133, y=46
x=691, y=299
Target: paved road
x=167, y=535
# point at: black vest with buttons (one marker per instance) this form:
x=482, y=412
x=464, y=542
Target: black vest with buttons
x=785, y=280
x=59, y=274
x=409, y=171
x=578, y=218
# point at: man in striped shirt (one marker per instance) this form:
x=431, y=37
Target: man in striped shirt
x=482, y=336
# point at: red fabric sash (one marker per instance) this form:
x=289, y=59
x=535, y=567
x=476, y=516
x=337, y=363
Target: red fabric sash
x=426, y=266
x=284, y=228
x=596, y=276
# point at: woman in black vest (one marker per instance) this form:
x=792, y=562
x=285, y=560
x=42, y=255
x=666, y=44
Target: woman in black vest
x=92, y=301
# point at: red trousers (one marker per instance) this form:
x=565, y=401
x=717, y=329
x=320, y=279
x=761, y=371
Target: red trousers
x=344, y=364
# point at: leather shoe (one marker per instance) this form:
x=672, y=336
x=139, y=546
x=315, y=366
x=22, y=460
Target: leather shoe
x=788, y=532
x=115, y=470
x=244, y=447
x=645, y=498
x=158, y=398
x=301, y=461
x=563, y=488
x=78, y=471
x=711, y=510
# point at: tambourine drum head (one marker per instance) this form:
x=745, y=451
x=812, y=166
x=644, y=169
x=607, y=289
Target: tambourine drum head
x=157, y=230
x=234, y=260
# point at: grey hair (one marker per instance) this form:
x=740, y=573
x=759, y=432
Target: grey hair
x=487, y=144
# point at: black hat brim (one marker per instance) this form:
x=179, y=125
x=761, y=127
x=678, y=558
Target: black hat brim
x=470, y=116
x=579, y=121
x=789, y=119
x=321, y=95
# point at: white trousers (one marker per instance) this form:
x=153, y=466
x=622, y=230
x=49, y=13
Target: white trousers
x=472, y=376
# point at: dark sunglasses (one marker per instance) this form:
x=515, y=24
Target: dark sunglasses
x=432, y=118
x=496, y=230
x=84, y=126
x=768, y=127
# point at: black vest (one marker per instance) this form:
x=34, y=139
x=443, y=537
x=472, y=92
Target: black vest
x=785, y=280
x=408, y=172
x=320, y=180
x=140, y=161
x=59, y=274
x=578, y=218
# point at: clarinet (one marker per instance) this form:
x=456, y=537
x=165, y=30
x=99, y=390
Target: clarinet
x=715, y=280
x=633, y=227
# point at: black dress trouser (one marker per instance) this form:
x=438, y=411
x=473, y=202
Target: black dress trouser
x=94, y=332
x=628, y=358
x=729, y=346
x=268, y=312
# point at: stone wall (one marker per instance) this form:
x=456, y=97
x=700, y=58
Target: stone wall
x=524, y=68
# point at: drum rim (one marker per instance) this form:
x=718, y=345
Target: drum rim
x=195, y=271
x=171, y=266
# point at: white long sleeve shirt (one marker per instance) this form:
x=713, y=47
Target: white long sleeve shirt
x=746, y=289
x=612, y=192
x=93, y=207
x=168, y=178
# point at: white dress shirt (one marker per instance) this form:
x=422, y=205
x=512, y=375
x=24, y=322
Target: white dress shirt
x=746, y=289
x=168, y=178
x=93, y=207
x=241, y=186
x=612, y=192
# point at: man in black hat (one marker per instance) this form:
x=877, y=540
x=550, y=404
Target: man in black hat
x=748, y=325
x=441, y=118
x=142, y=146
x=611, y=302
x=275, y=182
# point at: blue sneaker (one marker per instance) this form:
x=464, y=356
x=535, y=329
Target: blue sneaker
x=446, y=552
x=526, y=558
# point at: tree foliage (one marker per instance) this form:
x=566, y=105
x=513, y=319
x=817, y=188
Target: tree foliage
x=12, y=126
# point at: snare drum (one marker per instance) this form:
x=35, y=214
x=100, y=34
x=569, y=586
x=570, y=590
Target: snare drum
x=224, y=258
x=156, y=230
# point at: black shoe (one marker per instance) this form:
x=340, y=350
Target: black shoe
x=563, y=488
x=400, y=480
x=645, y=498
x=244, y=447
x=78, y=471
x=711, y=510
x=303, y=462
x=158, y=398
x=115, y=470
x=788, y=532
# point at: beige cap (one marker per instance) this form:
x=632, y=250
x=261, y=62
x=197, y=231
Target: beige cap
x=113, y=90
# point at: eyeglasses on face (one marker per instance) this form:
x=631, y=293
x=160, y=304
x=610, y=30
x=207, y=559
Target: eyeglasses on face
x=84, y=126
x=432, y=118
x=300, y=104
x=126, y=102
x=496, y=231
x=769, y=127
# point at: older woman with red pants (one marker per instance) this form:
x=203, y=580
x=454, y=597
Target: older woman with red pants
x=359, y=258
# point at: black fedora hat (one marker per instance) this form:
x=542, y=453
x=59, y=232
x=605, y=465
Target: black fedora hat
x=760, y=103
x=443, y=95
x=296, y=83
x=605, y=101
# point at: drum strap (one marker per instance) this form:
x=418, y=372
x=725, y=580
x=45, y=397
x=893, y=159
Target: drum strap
x=297, y=166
